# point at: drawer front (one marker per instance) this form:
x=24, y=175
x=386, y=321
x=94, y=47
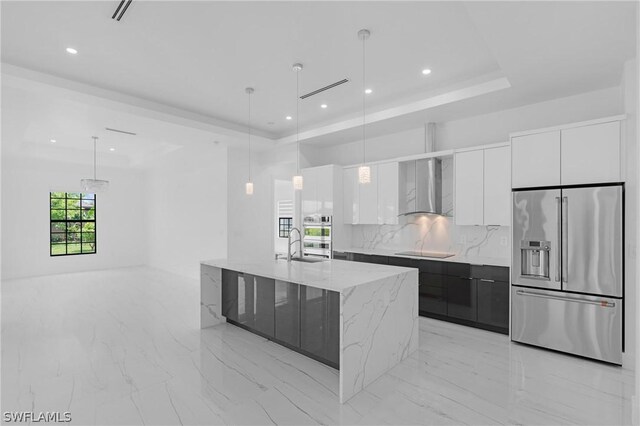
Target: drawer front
x=459, y=270
x=404, y=262
x=588, y=326
x=432, y=266
x=432, y=300
x=433, y=280
x=495, y=273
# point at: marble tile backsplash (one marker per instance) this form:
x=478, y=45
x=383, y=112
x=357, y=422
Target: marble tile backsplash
x=436, y=233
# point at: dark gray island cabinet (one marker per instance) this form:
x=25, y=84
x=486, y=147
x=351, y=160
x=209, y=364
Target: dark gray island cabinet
x=464, y=293
x=360, y=319
x=302, y=318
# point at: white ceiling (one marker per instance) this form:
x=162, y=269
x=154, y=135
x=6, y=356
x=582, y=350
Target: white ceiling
x=199, y=56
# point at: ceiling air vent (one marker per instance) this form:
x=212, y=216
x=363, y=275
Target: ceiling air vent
x=121, y=9
x=322, y=89
x=120, y=131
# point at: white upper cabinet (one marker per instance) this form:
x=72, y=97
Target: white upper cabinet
x=497, y=186
x=351, y=196
x=583, y=153
x=535, y=160
x=388, y=185
x=469, y=198
x=369, y=199
x=591, y=154
x=317, y=191
x=373, y=203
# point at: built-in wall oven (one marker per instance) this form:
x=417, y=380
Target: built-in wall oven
x=317, y=236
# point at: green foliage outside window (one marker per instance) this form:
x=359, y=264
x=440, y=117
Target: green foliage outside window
x=73, y=223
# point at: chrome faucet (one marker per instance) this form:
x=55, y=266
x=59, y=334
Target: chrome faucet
x=299, y=240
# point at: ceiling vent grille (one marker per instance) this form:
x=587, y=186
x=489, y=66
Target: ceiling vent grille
x=322, y=89
x=120, y=131
x=121, y=10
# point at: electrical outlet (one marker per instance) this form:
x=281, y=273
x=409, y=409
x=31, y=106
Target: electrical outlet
x=503, y=241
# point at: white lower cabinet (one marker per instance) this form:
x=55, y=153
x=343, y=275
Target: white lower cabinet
x=482, y=187
x=373, y=203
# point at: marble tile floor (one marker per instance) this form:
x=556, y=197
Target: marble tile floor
x=124, y=347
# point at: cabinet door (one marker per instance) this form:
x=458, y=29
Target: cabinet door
x=432, y=294
x=351, y=195
x=535, y=160
x=324, y=179
x=462, y=298
x=388, y=186
x=287, y=312
x=369, y=199
x=264, y=311
x=469, y=189
x=310, y=202
x=230, y=294
x=320, y=323
x=493, y=303
x=497, y=186
x=591, y=154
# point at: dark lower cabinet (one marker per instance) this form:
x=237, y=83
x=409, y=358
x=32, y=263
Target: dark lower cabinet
x=432, y=294
x=462, y=298
x=474, y=295
x=305, y=319
x=287, y=306
x=320, y=323
x=493, y=296
x=230, y=294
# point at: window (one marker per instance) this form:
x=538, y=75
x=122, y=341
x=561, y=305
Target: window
x=73, y=223
x=284, y=226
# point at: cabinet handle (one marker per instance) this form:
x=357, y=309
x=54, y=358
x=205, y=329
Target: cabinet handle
x=487, y=281
x=466, y=278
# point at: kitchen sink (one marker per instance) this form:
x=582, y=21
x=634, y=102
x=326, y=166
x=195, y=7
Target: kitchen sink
x=308, y=259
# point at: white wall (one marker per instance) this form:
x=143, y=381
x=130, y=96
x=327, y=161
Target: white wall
x=186, y=208
x=629, y=88
x=251, y=219
x=478, y=130
x=120, y=213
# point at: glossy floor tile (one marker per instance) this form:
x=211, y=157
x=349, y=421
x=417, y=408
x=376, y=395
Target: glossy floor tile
x=124, y=347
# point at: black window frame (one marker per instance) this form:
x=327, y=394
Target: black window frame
x=285, y=223
x=66, y=222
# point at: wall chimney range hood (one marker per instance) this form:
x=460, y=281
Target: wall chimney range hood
x=421, y=187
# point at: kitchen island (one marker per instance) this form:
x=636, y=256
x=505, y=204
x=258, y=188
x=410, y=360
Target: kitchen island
x=359, y=318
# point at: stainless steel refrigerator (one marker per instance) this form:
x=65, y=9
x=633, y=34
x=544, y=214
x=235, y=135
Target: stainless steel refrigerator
x=567, y=274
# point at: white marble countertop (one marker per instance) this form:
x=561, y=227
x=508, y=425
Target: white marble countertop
x=336, y=275
x=476, y=260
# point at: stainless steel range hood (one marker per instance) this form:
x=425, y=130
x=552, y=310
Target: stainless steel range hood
x=421, y=187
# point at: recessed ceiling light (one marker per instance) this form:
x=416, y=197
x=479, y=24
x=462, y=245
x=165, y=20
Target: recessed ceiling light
x=52, y=140
x=72, y=50
x=288, y=117
x=426, y=71
x=368, y=91
x=270, y=123
x=112, y=149
x=323, y=106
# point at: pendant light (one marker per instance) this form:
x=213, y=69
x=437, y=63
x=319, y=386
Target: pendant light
x=248, y=187
x=94, y=185
x=298, y=181
x=364, y=171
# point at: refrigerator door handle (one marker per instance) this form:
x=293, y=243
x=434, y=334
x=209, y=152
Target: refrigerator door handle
x=565, y=240
x=558, y=253
x=603, y=303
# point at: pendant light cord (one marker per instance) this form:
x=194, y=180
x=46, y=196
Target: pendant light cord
x=249, y=131
x=95, y=147
x=298, y=122
x=364, y=87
